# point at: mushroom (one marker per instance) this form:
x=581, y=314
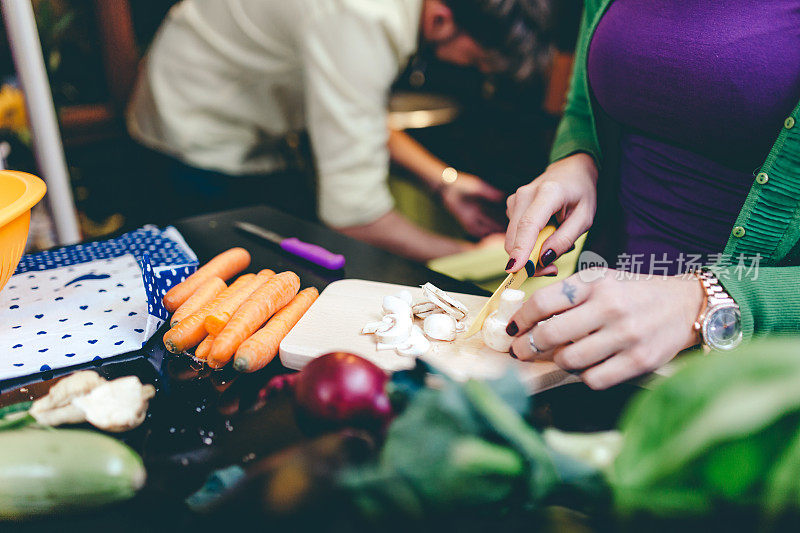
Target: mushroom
x=405, y=296
x=396, y=305
x=375, y=327
x=416, y=345
x=440, y=327
x=494, y=327
x=425, y=309
x=399, y=331
x=445, y=302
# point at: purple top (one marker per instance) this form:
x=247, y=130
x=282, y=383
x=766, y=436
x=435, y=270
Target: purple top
x=701, y=88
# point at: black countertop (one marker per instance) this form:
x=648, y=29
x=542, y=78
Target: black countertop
x=208, y=235
x=201, y=420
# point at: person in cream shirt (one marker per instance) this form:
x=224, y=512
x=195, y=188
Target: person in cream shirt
x=225, y=82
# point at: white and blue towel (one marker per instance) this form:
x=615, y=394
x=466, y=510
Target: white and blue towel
x=87, y=302
x=165, y=247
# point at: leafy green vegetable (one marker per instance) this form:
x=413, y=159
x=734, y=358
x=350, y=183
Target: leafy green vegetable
x=721, y=431
x=15, y=416
x=461, y=446
x=511, y=427
x=783, y=490
x=15, y=408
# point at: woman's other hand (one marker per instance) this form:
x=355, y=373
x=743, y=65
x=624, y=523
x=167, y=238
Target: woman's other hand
x=567, y=189
x=608, y=325
x=470, y=200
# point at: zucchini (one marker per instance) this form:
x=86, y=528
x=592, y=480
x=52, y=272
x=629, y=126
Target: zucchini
x=47, y=471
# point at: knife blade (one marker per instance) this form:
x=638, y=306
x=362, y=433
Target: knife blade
x=310, y=252
x=512, y=281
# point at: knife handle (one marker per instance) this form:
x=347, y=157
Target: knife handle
x=311, y=252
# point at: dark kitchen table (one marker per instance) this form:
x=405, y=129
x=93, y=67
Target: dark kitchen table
x=201, y=420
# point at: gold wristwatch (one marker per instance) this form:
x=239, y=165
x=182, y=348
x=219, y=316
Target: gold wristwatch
x=720, y=321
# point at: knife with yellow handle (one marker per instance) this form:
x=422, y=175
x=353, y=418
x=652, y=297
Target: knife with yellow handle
x=512, y=281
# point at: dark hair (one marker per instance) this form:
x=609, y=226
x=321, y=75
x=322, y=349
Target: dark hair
x=519, y=30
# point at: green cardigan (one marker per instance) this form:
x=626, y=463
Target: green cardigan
x=768, y=225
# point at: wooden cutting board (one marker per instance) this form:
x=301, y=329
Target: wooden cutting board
x=335, y=320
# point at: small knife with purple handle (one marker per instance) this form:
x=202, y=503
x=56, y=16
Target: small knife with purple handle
x=310, y=252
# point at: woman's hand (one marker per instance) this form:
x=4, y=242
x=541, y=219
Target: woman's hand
x=470, y=199
x=567, y=189
x=608, y=325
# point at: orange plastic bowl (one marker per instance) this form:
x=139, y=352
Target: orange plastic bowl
x=19, y=192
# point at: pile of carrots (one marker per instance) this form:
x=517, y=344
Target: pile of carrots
x=245, y=321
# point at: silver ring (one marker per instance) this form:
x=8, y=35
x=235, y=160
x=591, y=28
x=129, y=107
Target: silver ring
x=533, y=344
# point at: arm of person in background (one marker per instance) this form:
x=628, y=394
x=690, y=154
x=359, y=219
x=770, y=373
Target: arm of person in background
x=349, y=62
x=397, y=234
x=466, y=198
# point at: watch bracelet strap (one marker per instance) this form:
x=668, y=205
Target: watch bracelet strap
x=715, y=295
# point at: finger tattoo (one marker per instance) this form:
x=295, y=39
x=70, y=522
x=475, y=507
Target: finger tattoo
x=568, y=290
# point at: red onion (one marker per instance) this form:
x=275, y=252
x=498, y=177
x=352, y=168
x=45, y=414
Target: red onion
x=342, y=389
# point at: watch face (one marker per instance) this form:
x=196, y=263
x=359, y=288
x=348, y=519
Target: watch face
x=723, y=327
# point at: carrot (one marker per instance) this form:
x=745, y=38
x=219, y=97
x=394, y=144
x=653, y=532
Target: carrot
x=262, y=304
x=189, y=332
x=254, y=353
x=201, y=352
x=204, y=294
x=225, y=266
x=217, y=320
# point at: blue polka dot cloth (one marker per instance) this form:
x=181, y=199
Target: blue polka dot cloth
x=157, y=281
x=89, y=302
x=165, y=247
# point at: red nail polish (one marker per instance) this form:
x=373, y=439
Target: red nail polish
x=512, y=329
x=548, y=257
x=511, y=353
x=511, y=263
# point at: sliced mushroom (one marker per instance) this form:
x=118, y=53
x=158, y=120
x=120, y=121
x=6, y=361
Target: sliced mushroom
x=444, y=301
x=424, y=309
x=383, y=346
x=416, y=345
x=440, y=327
x=375, y=327
x=405, y=296
x=398, y=332
x=396, y=305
